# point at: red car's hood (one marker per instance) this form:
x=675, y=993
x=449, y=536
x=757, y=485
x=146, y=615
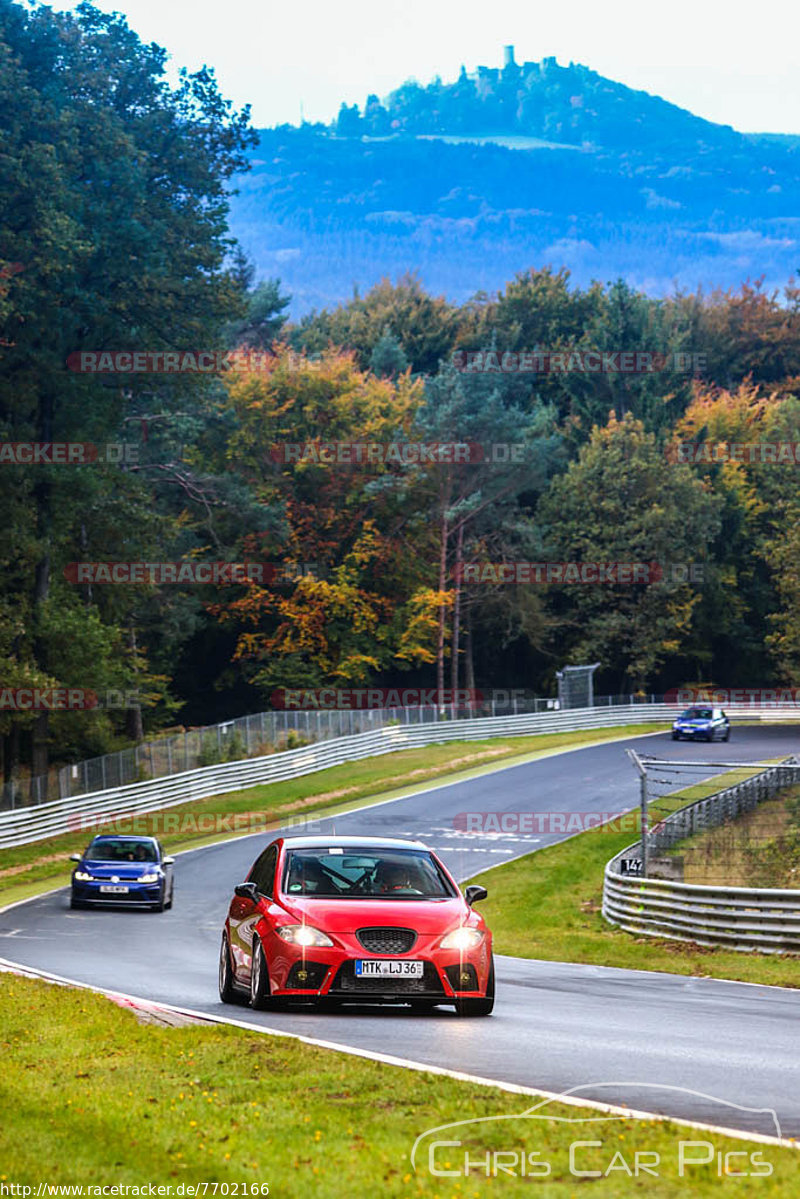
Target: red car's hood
x=346, y=915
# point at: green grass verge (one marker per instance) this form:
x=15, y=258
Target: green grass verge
x=90, y=1096
x=29, y=869
x=548, y=904
x=760, y=849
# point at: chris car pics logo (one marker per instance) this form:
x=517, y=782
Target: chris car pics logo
x=516, y=1146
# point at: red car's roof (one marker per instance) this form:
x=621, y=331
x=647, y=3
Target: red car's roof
x=361, y=842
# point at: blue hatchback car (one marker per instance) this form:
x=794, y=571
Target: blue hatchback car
x=123, y=870
x=702, y=724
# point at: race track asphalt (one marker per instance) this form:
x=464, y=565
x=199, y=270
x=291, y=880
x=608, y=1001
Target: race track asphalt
x=688, y=1047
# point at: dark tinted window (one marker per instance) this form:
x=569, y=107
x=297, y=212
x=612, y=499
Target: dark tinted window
x=113, y=849
x=356, y=873
x=263, y=873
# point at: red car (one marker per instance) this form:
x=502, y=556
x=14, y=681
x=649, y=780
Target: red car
x=350, y=919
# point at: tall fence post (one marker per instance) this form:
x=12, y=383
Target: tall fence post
x=637, y=761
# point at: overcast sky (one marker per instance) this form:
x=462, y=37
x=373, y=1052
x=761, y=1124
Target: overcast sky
x=730, y=62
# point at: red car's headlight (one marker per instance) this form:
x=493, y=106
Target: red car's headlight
x=303, y=934
x=462, y=938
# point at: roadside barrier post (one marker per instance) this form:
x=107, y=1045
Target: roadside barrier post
x=634, y=757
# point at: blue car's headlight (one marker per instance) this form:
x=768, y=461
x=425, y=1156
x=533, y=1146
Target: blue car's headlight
x=152, y=877
x=81, y=876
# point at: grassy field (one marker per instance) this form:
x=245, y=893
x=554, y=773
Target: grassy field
x=27, y=869
x=760, y=849
x=90, y=1096
x=548, y=905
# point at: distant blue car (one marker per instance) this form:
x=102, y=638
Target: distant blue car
x=702, y=724
x=123, y=870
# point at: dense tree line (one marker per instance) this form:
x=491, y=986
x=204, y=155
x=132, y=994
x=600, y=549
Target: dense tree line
x=114, y=237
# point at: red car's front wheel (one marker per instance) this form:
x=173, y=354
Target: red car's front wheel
x=259, y=979
x=226, y=992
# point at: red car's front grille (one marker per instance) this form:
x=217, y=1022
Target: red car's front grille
x=387, y=940
x=346, y=981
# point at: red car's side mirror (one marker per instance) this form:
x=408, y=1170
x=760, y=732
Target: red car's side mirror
x=247, y=891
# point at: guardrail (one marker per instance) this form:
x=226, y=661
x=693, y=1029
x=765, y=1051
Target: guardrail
x=257, y=735
x=24, y=825
x=764, y=919
x=263, y=732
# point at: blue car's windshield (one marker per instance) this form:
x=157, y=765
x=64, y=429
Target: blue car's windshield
x=113, y=849
x=696, y=714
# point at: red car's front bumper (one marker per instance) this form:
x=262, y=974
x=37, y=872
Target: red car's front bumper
x=330, y=972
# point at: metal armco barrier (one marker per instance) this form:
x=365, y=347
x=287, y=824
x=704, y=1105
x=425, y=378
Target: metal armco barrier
x=763, y=919
x=24, y=825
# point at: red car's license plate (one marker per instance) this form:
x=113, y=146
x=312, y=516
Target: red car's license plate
x=388, y=969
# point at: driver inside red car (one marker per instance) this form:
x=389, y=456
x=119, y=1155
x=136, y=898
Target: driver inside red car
x=393, y=876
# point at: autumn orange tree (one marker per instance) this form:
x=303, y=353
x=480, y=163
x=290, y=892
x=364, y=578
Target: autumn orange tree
x=748, y=332
x=348, y=527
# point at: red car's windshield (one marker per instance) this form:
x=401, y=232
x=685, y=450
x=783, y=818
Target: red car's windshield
x=355, y=873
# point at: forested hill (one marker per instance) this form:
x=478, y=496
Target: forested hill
x=570, y=105
x=470, y=182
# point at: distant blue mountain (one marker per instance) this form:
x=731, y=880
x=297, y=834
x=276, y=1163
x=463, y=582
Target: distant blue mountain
x=470, y=182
